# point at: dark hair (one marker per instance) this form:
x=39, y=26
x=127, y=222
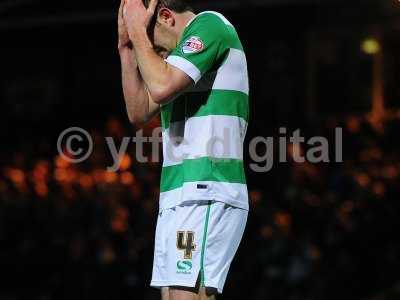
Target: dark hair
x=178, y=6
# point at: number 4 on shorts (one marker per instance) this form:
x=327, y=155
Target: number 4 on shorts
x=185, y=243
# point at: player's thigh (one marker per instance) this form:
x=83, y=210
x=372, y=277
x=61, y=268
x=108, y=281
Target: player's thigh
x=180, y=293
x=183, y=293
x=165, y=293
x=208, y=293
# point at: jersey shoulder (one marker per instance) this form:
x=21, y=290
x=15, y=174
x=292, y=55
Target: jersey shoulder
x=209, y=23
x=212, y=17
x=213, y=25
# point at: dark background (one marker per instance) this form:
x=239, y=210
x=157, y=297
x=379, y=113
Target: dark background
x=316, y=231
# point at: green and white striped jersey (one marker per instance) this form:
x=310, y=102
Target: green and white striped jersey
x=204, y=129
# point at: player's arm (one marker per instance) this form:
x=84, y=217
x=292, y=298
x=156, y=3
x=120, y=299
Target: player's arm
x=139, y=104
x=140, y=107
x=163, y=81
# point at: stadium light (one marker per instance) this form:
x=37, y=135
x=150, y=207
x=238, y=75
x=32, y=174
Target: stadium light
x=371, y=46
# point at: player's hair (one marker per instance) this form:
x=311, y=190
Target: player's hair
x=178, y=6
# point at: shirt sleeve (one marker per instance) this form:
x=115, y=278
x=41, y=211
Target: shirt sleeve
x=201, y=46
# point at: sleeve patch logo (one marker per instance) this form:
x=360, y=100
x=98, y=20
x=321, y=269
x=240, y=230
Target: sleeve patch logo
x=193, y=45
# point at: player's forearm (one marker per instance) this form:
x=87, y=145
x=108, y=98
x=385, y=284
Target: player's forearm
x=153, y=69
x=135, y=93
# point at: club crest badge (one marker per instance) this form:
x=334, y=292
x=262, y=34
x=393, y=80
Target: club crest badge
x=193, y=45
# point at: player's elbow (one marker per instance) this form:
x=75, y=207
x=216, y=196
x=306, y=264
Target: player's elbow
x=170, y=86
x=132, y=119
x=137, y=120
x=161, y=94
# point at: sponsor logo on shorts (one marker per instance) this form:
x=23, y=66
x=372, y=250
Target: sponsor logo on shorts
x=184, y=267
x=193, y=45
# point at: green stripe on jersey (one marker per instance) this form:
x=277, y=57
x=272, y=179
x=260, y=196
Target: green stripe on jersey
x=234, y=41
x=203, y=169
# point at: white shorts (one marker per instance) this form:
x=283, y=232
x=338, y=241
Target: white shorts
x=197, y=241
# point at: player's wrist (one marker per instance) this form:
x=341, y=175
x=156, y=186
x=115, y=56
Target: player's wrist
x=127, y=56
x=137, y=34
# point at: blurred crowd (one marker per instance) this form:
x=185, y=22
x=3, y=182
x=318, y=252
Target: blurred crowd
x=317, y=231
